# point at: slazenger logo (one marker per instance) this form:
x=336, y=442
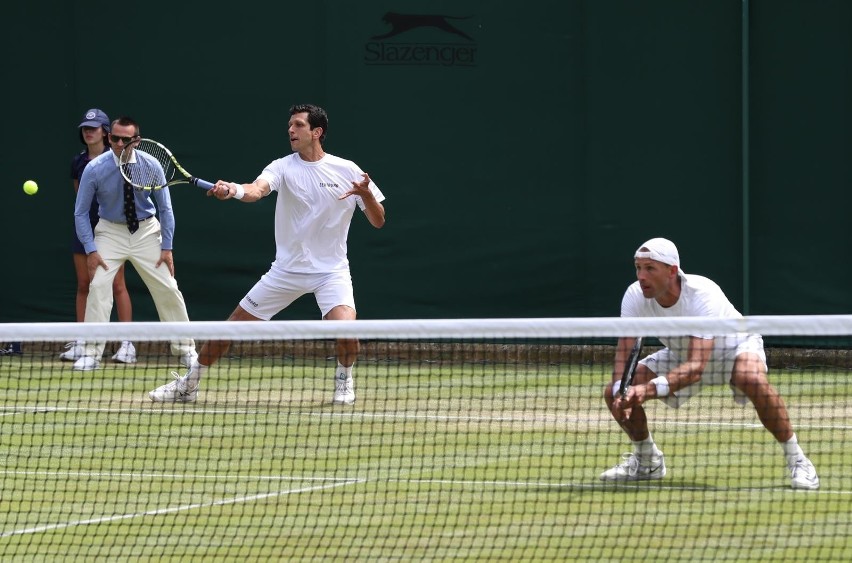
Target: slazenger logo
x=379, y=51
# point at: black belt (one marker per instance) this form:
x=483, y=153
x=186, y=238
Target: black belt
x=125, y=222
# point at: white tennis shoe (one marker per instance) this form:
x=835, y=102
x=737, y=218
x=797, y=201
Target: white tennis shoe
x=73, y=351
x=637, y=468
x=86, y=363
x=181, y=390
x=803, y=474
x=344, y=390
x=126, y=354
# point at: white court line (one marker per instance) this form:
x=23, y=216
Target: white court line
x=453, y=482
x=406, y=415
x=126, y=475
x=14, y=411
x=339, y=481
x=466, y=483
x=159, y=511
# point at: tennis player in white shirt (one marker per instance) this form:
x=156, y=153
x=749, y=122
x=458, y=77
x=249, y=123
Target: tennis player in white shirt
x=317, y=197
x=678, y=371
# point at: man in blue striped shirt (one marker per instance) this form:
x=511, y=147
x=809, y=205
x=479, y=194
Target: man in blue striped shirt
x=145, y=242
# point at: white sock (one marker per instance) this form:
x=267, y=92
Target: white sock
x=343, y=372
x=792, y=450
x=646, y=447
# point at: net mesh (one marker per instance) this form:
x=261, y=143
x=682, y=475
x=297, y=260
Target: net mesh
x=469, y=439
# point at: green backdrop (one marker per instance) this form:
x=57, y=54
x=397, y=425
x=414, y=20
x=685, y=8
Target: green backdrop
x=525, y=149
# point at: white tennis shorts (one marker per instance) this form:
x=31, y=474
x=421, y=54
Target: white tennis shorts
x=718, y=371
x=276, y=290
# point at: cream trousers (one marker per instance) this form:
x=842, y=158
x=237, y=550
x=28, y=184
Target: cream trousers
x=116, y=245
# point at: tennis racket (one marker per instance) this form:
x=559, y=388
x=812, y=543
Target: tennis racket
x=148, y=165
x=630, y=367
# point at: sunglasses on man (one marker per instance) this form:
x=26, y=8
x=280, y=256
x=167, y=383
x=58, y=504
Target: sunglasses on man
x=125, y=140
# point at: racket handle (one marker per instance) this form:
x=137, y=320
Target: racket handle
x=201, y=183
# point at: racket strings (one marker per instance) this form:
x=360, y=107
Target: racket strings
x=153, y=166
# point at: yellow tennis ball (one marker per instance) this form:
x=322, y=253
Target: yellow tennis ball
x=30, y=187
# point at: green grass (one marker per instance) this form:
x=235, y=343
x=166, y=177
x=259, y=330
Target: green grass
x=434, y=462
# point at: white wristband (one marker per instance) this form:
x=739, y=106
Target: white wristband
x=662, y=385
x=616, y=387
x=239, y=191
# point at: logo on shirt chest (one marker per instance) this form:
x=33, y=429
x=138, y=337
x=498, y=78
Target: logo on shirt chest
x=328, y=185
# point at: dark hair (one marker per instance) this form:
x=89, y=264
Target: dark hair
x=92, y=117
x=126, y=121
x=104, y=130
x=316, y=117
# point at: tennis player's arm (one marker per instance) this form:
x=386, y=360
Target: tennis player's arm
x=370, y=203
x=374, y=210
x=690, y=371
x=246, y=193
x=258, y=189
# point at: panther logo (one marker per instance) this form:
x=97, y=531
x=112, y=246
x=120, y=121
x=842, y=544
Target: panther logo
x=400, y=23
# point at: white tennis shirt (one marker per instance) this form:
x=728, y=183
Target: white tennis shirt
x=311, y=223
x=699, y=297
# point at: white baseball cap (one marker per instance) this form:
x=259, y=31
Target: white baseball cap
x=662, y=250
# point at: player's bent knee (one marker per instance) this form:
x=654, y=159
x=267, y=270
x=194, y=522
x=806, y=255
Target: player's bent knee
x=750, y=382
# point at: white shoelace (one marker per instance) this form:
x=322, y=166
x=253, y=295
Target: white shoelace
x=802, y=464
x=176, y=385
x=630, y=463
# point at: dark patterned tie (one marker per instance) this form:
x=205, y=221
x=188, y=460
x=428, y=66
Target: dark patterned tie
x=130, y=208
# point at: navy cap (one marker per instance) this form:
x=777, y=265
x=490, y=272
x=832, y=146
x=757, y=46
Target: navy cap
x=96, y=118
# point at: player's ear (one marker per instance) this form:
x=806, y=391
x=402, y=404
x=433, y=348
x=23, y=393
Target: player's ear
x=316, y=132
